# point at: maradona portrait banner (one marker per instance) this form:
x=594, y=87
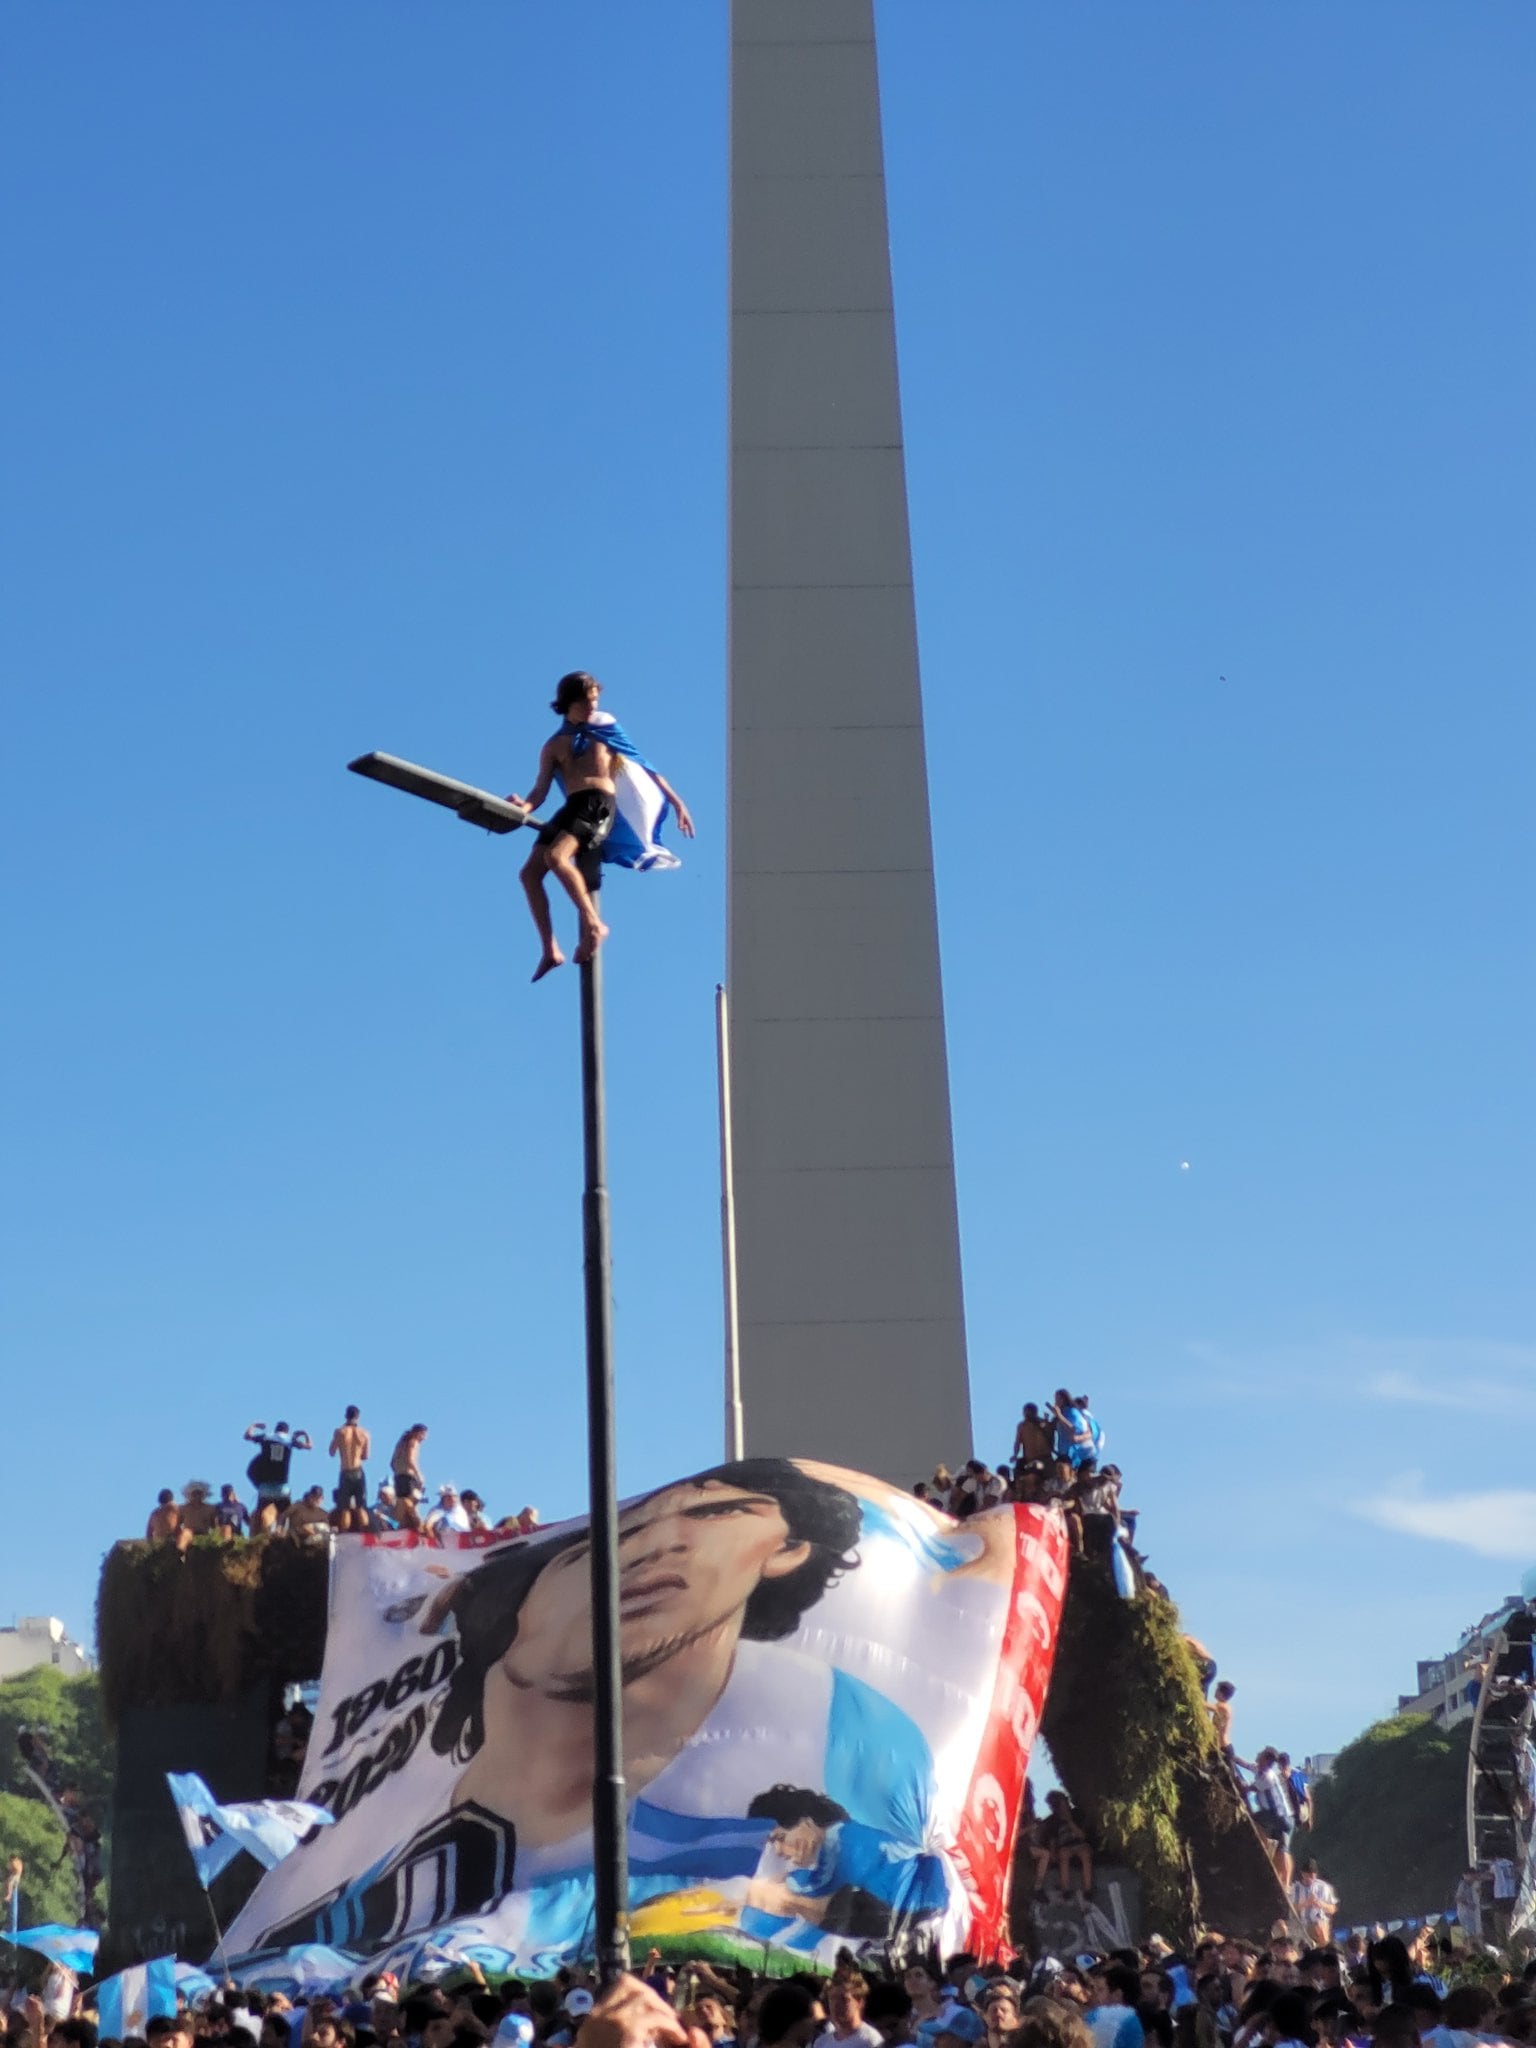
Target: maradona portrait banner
x=830, y=1693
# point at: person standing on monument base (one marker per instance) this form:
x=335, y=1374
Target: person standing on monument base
x=350, y=1444
x=588, y=757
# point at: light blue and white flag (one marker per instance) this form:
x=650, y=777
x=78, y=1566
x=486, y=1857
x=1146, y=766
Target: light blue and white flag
x=271, y=1828
x=296, y=1972
x=126, y=2003
x=74, y=1947
x=198, y=1811
x=642, y=810
x=194, y=1983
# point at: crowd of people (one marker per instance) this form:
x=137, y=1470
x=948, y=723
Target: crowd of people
x=1381, y=1992
x=1058, y=1455
x=403, y=1501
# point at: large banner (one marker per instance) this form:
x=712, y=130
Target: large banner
x=830, y=1693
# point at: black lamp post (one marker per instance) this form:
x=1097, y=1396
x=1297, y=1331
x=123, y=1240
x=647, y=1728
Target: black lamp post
x=610, y=1855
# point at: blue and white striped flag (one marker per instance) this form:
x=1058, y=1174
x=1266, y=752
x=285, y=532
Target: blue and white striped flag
x=126, y=2003
x=271, y=1828
x=74, y=1947
x=642, y=810
x=297, y=1972
x=193, y=1983
x=198, y=1811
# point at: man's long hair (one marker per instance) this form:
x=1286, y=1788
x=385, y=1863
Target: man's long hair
x=487, y=1602
x=571, y=689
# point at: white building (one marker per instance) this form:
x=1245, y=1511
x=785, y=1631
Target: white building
x=1447, y=1692
x=40, y=1639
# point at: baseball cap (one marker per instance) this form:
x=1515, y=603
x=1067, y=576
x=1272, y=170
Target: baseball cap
x=579, y=2002
x=964, y=2024
x=515, y=2031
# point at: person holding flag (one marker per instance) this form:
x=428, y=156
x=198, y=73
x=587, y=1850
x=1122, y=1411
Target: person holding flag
x=71, y=1949
x=615, y=804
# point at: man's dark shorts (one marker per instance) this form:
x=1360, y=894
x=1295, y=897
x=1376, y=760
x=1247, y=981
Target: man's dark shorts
x=1272, y=1827
x=587, y=816
x=352, y=1490
x=407, y=1486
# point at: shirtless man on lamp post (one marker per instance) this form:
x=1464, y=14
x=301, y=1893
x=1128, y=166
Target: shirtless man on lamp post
x=585, y=757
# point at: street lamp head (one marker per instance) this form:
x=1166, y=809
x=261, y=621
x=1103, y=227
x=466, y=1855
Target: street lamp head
x=473, y=806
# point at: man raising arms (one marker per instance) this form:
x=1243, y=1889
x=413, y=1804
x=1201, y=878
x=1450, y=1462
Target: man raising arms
x=585, y=757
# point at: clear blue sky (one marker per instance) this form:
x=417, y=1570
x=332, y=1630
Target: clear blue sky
x=364, y=369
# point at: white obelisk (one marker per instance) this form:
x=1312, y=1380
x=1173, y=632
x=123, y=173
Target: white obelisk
x=852, y=1330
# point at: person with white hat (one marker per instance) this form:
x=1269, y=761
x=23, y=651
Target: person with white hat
x=450, y=1514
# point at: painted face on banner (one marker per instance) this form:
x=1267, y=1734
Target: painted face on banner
x=690, y=1558
x=800, y=1845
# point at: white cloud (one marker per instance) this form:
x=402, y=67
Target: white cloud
x=1419, y=1372
x=1494, y=1524
x=1457, y=1391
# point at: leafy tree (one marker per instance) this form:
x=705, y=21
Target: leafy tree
x=1390, y=1832
x=67, y=1712
x=48, y=1888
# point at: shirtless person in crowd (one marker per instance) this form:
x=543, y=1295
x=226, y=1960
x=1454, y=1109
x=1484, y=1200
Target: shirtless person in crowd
x=350, y=1443
x=405, y=1465
x=586, y=767
x=164, y=1519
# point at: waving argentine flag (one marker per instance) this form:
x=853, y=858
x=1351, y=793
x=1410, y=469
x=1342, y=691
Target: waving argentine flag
x=74, y=1947
x=297, y=1972
x=193, y=1983
x=126, y=2003
x=635, y=841
x=269, y=1828
x=198, y=1812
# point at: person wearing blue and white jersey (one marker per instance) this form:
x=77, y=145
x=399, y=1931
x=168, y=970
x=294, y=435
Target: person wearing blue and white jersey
x=714, y=1573
x=1074, y=1444
x=1113, y=1989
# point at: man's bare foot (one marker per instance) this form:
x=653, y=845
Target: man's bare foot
x=591, y=939
x=552, y=959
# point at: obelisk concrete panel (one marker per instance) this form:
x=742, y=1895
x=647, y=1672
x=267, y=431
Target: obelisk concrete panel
x=863, y=940
x=830, y=231
x=801, y=656
x=852, y=1332
x=805, y=102
x=813, y=379
x=800, y=22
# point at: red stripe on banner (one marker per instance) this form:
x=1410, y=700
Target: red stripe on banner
x=989, y=1822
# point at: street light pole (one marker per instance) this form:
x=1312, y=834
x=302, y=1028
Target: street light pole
x=735, y=1444
x=610, y=1857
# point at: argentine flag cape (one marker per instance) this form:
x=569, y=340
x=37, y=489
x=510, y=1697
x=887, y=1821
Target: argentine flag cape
x=635, y=841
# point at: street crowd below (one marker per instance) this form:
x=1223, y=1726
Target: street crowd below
x=1057, y=1456
x=402, y=1502
x=1433, y=1990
